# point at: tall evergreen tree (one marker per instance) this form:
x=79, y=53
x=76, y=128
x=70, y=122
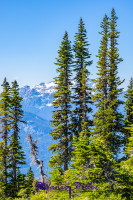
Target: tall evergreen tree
x=107, y=119
x=101, y=117
x=5, y=127
x=90, y=160
x=17, y=156
x=82, y=93
x=81, y=124
x=61, y=123
x=113, y=85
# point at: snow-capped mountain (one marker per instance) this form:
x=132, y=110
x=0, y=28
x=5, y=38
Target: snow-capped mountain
x=37, y=106
x=38, y=99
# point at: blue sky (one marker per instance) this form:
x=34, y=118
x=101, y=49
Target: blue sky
x=31, y=32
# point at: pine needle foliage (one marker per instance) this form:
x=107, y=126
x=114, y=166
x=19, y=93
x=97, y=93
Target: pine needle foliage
x=61, y=132
x=82, y=92
x=5, y=127
x=128, y=110
x=17, y=156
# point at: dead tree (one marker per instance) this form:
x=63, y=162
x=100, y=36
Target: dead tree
x=34, y=152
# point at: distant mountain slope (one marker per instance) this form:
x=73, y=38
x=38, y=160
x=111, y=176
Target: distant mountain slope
x=39, y=128
x=37, y=113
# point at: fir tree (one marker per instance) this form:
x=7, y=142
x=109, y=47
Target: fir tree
x=82, y=93
x=107, y=119
x=29, y=181
x=103, y=115
x=90, y=162
x=17, y=156
x=5, y=128
x=113, y=84
x=61, y=126
x=101, y=89
x=20, y=180
x=81, y=123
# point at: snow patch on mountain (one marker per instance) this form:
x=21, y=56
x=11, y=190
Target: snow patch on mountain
x=49, y=104
x=50, y=84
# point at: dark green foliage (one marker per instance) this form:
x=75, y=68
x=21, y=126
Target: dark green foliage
x=5, y=128
x=108, y=119
x=2, y=185
x=126, y=165
x=20, y=180
x=113, y=84
x=101, y=89
x=81, y=124
x=128, y=110
x=12, y=155
x=96, y=170
x=82, y=93
x=102, y=156
x=125, y=169
x=61, y=132
x=29, y=182
x=17, y=157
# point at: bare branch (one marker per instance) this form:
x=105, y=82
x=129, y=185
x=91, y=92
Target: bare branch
x=34, y=152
